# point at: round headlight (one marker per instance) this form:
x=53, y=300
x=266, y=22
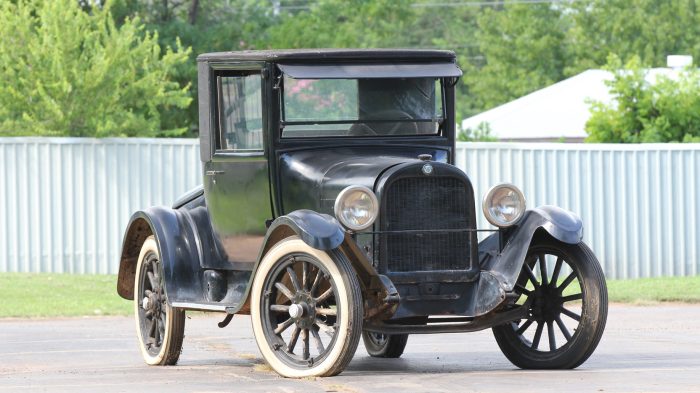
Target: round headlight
x=356, y=207
x=503, y=205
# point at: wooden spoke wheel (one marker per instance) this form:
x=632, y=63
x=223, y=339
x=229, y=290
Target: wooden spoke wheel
x=159, y=327
x=564, y=289
x=306, y=310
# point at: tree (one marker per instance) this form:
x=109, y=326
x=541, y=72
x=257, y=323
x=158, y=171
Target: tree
x=68, y=72
x=454, y=30
x=523, y=48
x=344, y=24
x=667, y=110
x=481, y=133
x=649, y=29
x=205, y=26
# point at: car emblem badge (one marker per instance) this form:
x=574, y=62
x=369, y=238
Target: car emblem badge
x=427, y=169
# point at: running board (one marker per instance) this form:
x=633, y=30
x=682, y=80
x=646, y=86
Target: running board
x=201, y=306
x=476, y=324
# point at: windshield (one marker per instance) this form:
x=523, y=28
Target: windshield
x=361, y=107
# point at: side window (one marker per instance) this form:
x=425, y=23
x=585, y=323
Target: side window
x=240, y=112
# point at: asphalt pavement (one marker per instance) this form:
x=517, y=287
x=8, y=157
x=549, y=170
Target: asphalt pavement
x=644, y=349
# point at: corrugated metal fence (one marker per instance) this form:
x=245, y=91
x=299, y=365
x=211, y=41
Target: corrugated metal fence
x=64, y=203
x=639, y=203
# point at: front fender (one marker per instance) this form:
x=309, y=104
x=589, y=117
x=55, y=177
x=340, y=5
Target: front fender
x=319, y=231
x=506, y=264
x=177, y=243
x=323, y=232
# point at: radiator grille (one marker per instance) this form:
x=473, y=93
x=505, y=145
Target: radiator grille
x=426, y=204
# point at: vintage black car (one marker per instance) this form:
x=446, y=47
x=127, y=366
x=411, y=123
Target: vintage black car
x=331, y=210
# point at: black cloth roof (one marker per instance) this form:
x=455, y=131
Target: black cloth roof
x=306, y=55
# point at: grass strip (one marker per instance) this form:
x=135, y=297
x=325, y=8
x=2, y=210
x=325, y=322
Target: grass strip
x=655, y=290
x=60, y=295
x=30, y=295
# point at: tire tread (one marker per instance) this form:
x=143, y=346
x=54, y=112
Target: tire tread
x=355, y=314
x=177, y=334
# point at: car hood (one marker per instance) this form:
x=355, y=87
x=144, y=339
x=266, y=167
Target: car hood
x=311, y=179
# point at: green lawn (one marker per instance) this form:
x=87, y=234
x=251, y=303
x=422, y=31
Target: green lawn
x=54, y=295
x=655, y=290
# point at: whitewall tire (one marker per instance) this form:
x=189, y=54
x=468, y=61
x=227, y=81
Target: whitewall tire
x=159, y=327
x=306, y=310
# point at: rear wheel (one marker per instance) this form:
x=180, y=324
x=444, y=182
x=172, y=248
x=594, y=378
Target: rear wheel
x=306, y=309
x=160, y=328
x=381, y=345
x=564, y=288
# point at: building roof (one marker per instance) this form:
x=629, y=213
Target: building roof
x=557, y=111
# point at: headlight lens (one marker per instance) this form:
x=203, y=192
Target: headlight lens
x=503, y=205
x=356, y=207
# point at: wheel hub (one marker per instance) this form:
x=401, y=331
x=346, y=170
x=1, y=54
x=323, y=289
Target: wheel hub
x=152, y=303
x=303, y=310
x=547, y=303
x=297, y=310
x=378, y=338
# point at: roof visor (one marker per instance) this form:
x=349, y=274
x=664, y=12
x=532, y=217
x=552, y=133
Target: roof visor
x=369, y=71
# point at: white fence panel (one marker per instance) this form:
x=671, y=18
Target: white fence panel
x=639, y=203
x=65, y=202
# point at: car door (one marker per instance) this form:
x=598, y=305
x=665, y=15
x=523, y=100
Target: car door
x=236, y=181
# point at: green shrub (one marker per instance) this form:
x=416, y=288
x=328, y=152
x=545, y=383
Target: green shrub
x=665, y=111
x=68, y=72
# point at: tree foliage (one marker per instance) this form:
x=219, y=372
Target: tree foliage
x=664, y=110
x=506, y=50
x=481, y=133
x=523, y=47
x=344, y=24
x=205, y=26
x=648, y=29
x=67, y=72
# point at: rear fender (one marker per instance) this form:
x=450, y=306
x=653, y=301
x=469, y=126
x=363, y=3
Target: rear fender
x=506, y=264
x=175, y=234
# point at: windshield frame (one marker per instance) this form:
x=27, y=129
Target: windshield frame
x=438, y=120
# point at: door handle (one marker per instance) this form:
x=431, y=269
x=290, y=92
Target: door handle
x=212, y=173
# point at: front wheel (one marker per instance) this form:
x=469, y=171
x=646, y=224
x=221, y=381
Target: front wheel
x=160, y=328
x=564, y=288
x=306, y=310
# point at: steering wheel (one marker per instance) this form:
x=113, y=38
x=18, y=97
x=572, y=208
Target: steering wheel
x=370, y=128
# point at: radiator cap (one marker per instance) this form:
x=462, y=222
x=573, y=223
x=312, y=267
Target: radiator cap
x=425, y=157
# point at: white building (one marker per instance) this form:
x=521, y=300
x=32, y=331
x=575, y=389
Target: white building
x=557, y=112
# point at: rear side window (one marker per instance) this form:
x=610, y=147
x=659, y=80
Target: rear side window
x=240, y=112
